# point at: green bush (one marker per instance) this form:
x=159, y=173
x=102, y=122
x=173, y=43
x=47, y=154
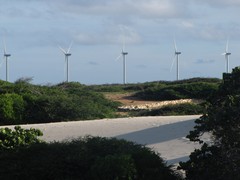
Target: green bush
x=171, y=110
x=12, y=107
x=115, y=166
x=14, y=139
x=195, y=90
x=86, y=158
x=23, y=102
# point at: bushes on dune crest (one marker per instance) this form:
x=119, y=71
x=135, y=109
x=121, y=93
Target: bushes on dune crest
x=23, y=102
x=195, y=90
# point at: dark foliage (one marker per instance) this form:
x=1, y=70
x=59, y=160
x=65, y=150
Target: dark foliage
x=87, y=158
x=220, y=159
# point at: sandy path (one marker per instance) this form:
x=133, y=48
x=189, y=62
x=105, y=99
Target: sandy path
x=164, y=134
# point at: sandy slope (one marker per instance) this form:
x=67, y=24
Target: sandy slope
x=164, y=134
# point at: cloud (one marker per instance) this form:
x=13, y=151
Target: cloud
x=202, y=61
x=137, y=8
x=187, y=24
x=141, y=66
x=219, y=3
x=25, y=9
x=93, y=63
x=116, y=35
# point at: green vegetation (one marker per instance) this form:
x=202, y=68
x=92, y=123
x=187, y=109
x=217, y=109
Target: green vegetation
x=142, y=87
x=219, y=159
x=171, y=110
x=181, y=90
x=22, y=102
x=87, y=158
x=18, y=138
x=195, y=88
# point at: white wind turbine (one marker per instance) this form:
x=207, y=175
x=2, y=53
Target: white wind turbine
x=124, y=54
x=6, y=56
x=67, y=54
x=227, y=54
x=176, y=55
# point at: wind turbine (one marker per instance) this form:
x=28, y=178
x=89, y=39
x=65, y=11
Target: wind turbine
x=6, y=55
x=227, y=54
x=176, y=55
x=67, y=54
x=124, y=54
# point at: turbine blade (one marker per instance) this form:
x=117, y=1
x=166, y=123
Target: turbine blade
x=124, y=41
x=172, y=63
x=69, y=47
x=118, y=57
x=1, y=62
x=64, y=52
x=227, y=46
x=5, y=47
x=175, y=45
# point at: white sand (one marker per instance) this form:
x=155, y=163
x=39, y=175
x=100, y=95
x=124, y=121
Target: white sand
x=164, y=134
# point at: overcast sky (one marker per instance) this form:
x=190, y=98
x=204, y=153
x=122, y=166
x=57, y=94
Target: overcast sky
x=33, y=30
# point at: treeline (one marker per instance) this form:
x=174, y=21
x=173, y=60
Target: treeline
x=199, y=88
x=22, y=102
x=192, y=88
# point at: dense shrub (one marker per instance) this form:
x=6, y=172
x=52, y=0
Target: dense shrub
x=87, y=158
x=148, y=85
x=171, y=110
x=17, y=138
x=219, y=159
x=196, y=90
x=23, y=102
x=12, y=107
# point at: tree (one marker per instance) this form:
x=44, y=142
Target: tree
x=219, y=159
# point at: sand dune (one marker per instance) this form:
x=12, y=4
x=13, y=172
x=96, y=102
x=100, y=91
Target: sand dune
x=164, y=134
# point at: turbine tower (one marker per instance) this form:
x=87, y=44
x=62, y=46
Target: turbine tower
x=124, y=54
x=67, y=54
x=6, y=55
x=227, y=54
x=176, y=55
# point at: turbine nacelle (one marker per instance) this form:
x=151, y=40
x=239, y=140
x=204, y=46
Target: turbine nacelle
x=7, y=55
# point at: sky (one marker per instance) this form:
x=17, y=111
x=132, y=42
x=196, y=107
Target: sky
x=33, y=30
